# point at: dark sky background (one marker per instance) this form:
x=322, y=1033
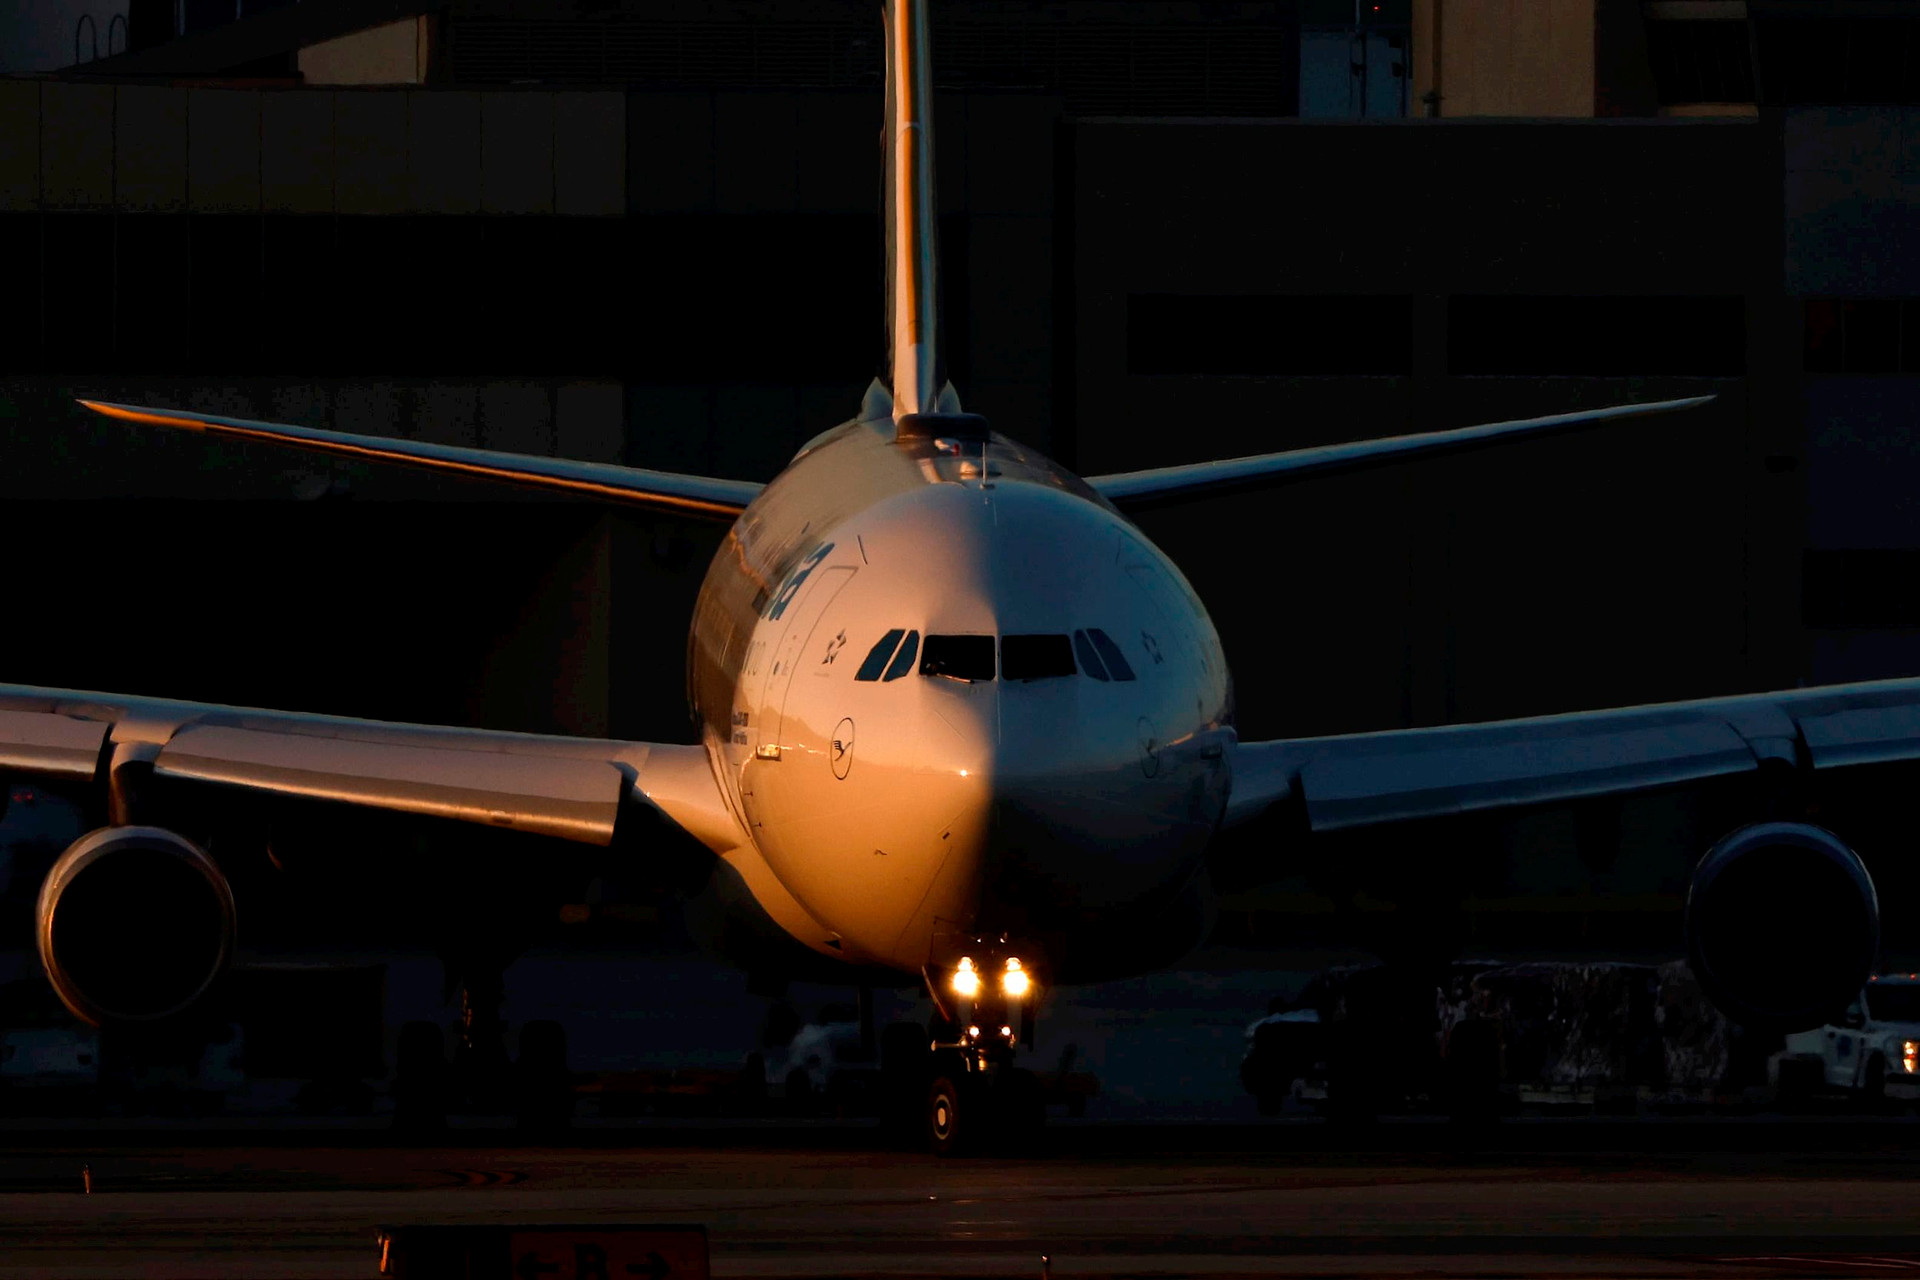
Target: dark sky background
x=37, y=35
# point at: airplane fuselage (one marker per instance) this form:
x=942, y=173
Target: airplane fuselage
x=949, y=692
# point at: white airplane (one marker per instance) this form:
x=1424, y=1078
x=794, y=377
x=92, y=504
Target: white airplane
x=961, y=724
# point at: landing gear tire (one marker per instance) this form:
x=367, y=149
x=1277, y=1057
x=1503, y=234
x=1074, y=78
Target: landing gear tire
x=953, y=1116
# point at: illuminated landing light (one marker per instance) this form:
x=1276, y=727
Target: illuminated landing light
x=963, y=773
x=1015, y=981
x=1006, y=1033
x=966, y=980
x=973, y=1033
x=1910, y=1056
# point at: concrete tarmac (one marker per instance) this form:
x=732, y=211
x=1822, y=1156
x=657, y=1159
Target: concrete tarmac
x=1729, y=1200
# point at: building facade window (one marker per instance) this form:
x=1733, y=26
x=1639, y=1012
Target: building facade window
x=1255, y=335
x=1354, y=58
x=1597, y=336
x=1701, y=61
x=1806, y=56
x=1866, y=336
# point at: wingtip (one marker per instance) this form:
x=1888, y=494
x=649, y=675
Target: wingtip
x=127, y=413
x=1680, y=404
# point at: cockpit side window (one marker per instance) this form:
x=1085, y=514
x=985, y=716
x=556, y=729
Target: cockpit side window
x=1089, y=660
x=958, y=657
x=877, y=656
x=1035, y=657
x=903, y=660
x=1110, y=654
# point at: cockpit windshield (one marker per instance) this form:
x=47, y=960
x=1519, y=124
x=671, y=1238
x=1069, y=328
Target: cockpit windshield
x=902, y=663
x=958, y=657
x=971, y=658
x=1035, y=657
x=1089, y=660
x=1116, y=662
x=889, y=646
x=877, y=656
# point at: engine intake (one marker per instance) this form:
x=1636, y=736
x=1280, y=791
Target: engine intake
x=134, y=924
x=1783, y=925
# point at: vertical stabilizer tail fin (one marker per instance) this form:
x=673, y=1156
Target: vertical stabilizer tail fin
x=913, y=312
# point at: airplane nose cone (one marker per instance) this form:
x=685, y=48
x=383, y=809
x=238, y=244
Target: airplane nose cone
x=963, y=738
x=953, y=801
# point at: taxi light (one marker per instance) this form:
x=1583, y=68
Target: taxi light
x=1007, y=1032
x=1015, y=981
x=973, y=1033
x=1910, y=1056
x=966, y=980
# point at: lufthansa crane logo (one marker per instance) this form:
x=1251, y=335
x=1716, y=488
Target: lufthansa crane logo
x=841, y=751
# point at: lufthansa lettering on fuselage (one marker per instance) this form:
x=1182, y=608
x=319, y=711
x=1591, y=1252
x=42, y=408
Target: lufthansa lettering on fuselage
x=795, y=580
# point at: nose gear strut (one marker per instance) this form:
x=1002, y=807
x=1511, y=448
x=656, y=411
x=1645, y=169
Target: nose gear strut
x=985, y=997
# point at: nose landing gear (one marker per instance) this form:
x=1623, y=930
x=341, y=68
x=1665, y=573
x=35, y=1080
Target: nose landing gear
x=977, y=1095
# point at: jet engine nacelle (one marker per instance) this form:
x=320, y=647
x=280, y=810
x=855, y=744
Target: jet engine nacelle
x=135, y=924
x=1783, y=925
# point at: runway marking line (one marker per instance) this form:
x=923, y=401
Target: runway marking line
x=485, y=1177
x=1864, y=1262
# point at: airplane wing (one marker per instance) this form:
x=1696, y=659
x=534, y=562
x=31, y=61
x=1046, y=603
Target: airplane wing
x=699, y=496
x=1141, y=490
x=570, y=788
x=1367, y=779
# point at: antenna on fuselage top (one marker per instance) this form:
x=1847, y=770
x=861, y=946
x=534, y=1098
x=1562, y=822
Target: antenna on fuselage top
x=913, y=311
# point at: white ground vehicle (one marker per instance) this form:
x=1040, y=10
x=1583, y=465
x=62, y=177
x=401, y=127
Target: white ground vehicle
x=1873, y=1053
x=825, y=1060
x=1285, y=1059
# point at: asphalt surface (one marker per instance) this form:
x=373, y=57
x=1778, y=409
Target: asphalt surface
x=1724, y=1199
